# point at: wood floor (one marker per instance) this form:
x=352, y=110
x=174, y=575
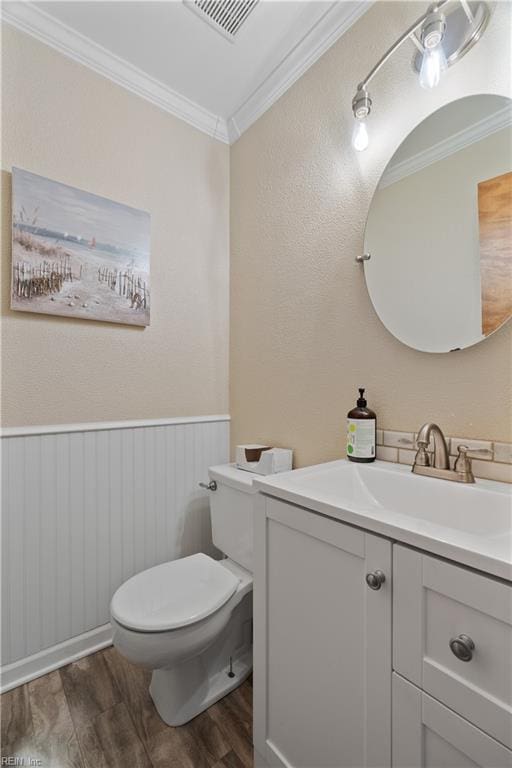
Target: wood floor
x=97, y=713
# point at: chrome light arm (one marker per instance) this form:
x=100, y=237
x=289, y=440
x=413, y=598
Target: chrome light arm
x=409, y=33
x=432, y=25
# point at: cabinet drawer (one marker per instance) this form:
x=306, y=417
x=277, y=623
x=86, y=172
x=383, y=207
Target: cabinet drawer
x=435, y=602
x=427, y=734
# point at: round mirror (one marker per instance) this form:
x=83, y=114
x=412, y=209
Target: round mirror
x=438, y=240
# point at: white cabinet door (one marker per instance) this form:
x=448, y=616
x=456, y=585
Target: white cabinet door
x=322, y=641
x=426, y=734
x=453, y=638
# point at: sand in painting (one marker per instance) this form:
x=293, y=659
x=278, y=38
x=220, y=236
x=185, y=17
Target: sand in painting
x=84, y=294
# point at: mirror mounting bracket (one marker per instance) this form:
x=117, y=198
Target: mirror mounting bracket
x=363, y=257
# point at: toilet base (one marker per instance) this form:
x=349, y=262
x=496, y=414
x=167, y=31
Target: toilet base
x=183, y=691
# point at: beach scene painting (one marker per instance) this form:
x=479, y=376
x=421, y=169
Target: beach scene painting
x=77, y=254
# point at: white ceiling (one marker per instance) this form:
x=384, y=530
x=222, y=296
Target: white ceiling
x=167, y=53
x=171, y=43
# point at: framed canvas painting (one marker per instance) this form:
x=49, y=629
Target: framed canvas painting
x=77, y=254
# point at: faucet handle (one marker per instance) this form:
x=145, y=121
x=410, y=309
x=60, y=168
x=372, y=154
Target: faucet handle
x=463, y=463
x=462, y=456
x=422, y=459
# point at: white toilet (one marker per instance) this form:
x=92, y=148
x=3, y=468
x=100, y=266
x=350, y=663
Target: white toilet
x=190, y=620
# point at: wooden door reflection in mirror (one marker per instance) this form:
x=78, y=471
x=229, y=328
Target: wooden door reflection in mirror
x=495, y=225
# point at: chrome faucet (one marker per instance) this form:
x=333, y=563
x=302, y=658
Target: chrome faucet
x=461, y=472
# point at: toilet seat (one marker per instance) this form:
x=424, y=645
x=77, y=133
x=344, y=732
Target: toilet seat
x=174, y=594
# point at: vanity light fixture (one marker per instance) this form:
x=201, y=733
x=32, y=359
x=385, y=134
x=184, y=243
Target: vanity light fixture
x=434, y=60
x=361, y=107
x=442, y=36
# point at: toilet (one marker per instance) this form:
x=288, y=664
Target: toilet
x=190, y=620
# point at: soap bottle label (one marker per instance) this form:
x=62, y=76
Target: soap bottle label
x=361, y=438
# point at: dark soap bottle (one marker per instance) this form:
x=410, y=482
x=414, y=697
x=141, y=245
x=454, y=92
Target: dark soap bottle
x=361, y=432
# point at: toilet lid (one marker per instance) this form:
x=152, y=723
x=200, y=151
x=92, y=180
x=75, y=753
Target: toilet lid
x=173, y=594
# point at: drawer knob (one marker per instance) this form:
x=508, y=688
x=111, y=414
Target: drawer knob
x=462, y=647
x=375, y=579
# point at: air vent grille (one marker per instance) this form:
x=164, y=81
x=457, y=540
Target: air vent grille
x=226, y=16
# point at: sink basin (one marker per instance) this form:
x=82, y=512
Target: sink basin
x=389, y=499
x=394, y=488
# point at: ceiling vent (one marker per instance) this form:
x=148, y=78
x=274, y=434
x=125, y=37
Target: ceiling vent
x=226, y=16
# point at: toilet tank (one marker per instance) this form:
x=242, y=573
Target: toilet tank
x=231, y=508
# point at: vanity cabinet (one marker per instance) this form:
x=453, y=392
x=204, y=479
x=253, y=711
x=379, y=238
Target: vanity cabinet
x=322, y=653
x=415, y=672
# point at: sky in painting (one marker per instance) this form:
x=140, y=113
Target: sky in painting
x=67, y=209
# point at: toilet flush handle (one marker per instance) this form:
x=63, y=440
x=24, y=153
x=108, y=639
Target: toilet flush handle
x=211, y=486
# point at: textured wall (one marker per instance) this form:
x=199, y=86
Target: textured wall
x=304, y=334
x=69, y=124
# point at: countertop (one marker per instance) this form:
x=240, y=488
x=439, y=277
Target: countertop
x=482, y=548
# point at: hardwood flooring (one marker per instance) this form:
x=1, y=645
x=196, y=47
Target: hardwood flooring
x=97, y=713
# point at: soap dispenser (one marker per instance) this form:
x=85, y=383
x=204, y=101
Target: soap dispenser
x=361, y=431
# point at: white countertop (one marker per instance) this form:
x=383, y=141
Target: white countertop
x=468, y=523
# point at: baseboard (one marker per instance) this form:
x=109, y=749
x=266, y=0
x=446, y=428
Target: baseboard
x=259, y=761
x=24, y=670
x=274, y=757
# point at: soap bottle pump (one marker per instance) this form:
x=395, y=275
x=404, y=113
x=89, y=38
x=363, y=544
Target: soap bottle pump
x=361, y=431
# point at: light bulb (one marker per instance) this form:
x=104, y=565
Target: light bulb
x=432, y=65
x=360, y=136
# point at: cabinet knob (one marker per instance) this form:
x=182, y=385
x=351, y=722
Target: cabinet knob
x=462, y=647
x=375, y=579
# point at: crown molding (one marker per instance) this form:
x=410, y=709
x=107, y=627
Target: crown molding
x=27, y=17
x=476, y=132
x=330, y=27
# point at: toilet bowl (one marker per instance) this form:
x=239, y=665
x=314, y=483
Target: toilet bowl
x=190, y=620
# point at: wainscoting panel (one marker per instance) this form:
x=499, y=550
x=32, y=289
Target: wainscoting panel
x=84, y=510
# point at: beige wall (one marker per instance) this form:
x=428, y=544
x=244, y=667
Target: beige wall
x=63, y=121
x=304, y=334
